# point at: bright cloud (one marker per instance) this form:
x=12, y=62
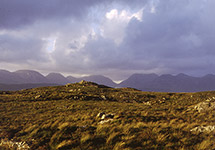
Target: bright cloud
x=51, y=42
x=116, y=22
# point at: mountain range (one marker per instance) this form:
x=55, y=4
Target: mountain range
x=22, y=79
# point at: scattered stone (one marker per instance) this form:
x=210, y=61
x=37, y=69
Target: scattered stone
x=203, y=129
x=88, y=83
x=68, y=84
x=108, y=116
x=15, y=145
x=104, y=116
x=161, y=101
x=105, y=121
x=147, y=103
x=103, y=97
x=205, y=106
x=99, y=115
x=75, y=97
x=82, y=82
x=37, y=97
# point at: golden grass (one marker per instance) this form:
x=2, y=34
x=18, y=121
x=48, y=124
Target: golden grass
x=64, y=117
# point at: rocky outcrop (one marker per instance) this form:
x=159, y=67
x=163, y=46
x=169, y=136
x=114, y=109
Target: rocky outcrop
x=14, y=145
x=209, y=104
x=104, y=118
x=203, y=129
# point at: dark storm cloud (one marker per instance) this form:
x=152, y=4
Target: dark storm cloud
x=15, y=13
x=178, y=37
x=21, y=49
x=170, y=36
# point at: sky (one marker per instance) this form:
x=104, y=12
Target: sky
x=115, y=38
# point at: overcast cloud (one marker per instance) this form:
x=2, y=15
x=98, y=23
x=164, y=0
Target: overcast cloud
x=110, y=37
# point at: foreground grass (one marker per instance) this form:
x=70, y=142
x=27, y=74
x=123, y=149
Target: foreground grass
x=65, y=117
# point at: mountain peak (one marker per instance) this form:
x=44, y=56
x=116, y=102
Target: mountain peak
x=137, y=80
x=182, y=75
x=100, y=79
x=209, y=76
x=57, y=78
x=55, y=74
x=31, y=76
x=4, y=71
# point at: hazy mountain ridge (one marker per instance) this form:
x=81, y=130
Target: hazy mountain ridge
x=15, y=87
x=22, y=79
x=171, y=83
x=7, y=77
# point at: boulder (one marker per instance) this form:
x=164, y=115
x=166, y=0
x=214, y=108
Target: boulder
x=108, y=116
x=38, y=96
x=68, y=84
x=104, y=116
x=99, y=115
x=103, y=97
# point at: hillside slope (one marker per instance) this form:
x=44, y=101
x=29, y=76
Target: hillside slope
x=86, y=115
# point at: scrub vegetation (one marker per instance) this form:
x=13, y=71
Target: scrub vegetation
x=88, y=116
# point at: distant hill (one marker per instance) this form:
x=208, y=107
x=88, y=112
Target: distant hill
x=138, y=80
x=73, y=79
x=30, y=76
x=170, y=83
x=23, y=79
x=99, y=79
x=15, y=87
x=146, y=82
x=7, y=77
x=57, y=78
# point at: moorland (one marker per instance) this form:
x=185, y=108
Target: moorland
x=86, y=115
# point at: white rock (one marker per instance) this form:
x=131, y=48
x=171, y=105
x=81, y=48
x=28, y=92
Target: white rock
x=203, y=129
x=105, y=121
